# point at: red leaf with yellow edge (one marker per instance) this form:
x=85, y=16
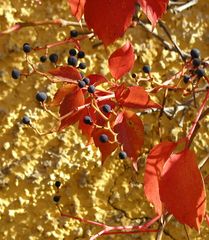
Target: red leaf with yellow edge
x=77, y=8
x=153, y=9
x=136, y=98
x=130, y=130
x=69, y=105
x=121, y=61
x=105, y=148
x=109, y=19
x=154, y=165
x=182, y=189
x=66, y=72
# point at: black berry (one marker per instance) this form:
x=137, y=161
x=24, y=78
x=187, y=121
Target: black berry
x=195, y=53
x=15, y=73
x=86, y=80
x=87, y=120
x=103, y=138
x=26, y=120
x=146, y=69
x=186, y=79
x=200, y=72
x=56, y=198
x=82, y=65
x=81, y=84
x=72, y=52
x=106, y=108
x=53, y=57
x=133, y=75
x=57, y=184
x=122, y=155
x=72, y=61
x=73, y=33
x=43, y=59
x=196, y=62
x=41, y=96
x=81, y=54
x=91, y=89
x=26, y=47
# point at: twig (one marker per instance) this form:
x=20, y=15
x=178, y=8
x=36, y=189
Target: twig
x=161, y=230
x=185, y=6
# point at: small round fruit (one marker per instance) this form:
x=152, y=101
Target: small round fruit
x=195, y=53
x=53, y=57
x=186, y=79
x=43, y=59
x=146, y=69
x=41, y=96
x=87, y=120
x=82, y=65
x=106, y=108
x=133, y=75
x=122, y=155
x=196, y=62
x=56, y=198
x=81, y=84
x=15, y=73
x=72, y=61
x=57, y=184
x=72, y=52
x=86, y=80
x=91, y=89
x=26, y=47
x=103, y=138
x=26, y=120
x=73, y=33
x=81, y=54
x=200, y=72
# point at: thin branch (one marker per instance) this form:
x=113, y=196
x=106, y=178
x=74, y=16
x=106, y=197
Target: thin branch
x=185, y=6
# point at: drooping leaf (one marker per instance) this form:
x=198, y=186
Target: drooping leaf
x=105, y=148
x=77, y=8
x=109, y=19
x=121, y=61
x=182, y=189
x=154, y=165
x=153, y=9
x=66, y=72
x=96, y=79
x=69, y=106
x=130, y=130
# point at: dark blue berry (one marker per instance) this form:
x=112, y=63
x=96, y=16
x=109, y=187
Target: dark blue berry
x=81, y=54
x=81, y=84
x=15, y=73
x=72, y=61
x=87, y=120
x=103, y=138
x=196, y=62
x=122, y=155
x=186, y=79
x=106, y=108
x=56, y=198
x=41, y=96
x=73, y=33
x=57, y=184
x=26, y=120
x=53, y=57
x=26, y=47
x=72, y=52
x=146, y=69
x=86, y=80
x=82, y=65
x=43, y=59
x=200, y=72
x=195, y=53
x=91, y=89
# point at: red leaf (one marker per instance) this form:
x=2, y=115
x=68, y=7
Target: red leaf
x=136, y=98
x=109, y=19
x=96, y=79
x=121, y=61
x=207, y=219
x=77, y=8
x=105, y=148
x=130, y=131
x=152, y=104
x=154, y=165
x=182, y=189
x=71, y=101
x=66, y=72
x=153, y=9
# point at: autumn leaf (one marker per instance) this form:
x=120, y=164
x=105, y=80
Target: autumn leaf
x=121, y=61
x=153, y=9
x=96, y=79
x=109, y=19
x=182, y=189
x=69, y=105
x=66, y=72
x=77, y=8
x=130, y=130
x=154, y=165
